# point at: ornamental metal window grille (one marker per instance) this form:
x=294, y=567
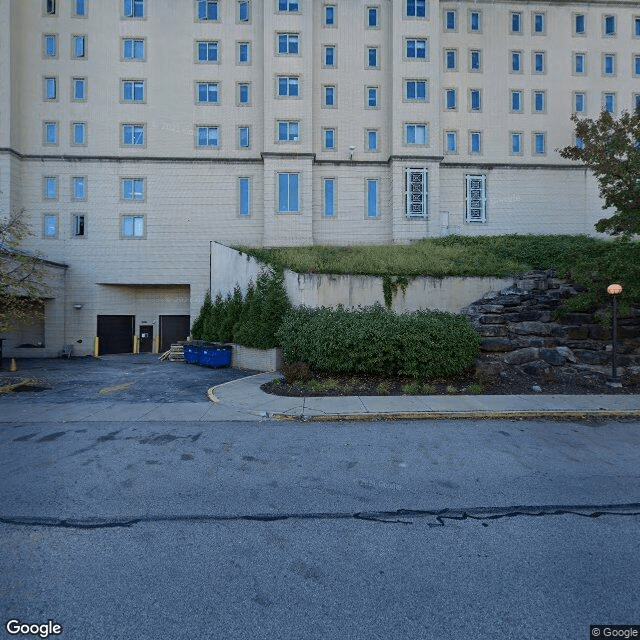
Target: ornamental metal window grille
x=476, y=198
x=416, y=193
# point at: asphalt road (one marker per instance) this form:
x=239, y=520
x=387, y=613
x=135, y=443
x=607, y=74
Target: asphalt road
x=461, y=529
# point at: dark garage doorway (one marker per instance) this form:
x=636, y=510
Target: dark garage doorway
x=115, y=334
x=172, y=329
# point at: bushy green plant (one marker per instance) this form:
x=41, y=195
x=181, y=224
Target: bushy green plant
x=197, y=330
x=376, y=340
x=212, y=321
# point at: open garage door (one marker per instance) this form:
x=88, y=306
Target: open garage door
x=116, y=334
x=172, y=329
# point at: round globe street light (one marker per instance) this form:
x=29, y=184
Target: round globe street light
x=614, y=290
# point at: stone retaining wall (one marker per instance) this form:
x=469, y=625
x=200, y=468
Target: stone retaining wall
x=519, y=328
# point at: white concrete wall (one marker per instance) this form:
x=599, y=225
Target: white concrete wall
x=230, y=268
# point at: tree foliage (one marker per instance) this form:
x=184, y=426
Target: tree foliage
x=22, y=275
x=611, y=149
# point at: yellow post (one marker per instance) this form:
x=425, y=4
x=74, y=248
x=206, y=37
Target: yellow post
x=96, y=347
x=156, y=344
x=12, y=365
x=136, y=346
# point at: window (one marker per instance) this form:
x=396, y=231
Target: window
x=579, y=102
x=609, y=26
x=450, y=99
x=450, y=59
x=516, y=22
x=132, y=189
x=244, y=52
x=329, y=189
x=329, y=15
x=476, y=199
x=579, y=63
x=207, y=9
x=516, y=143
x=132, y=135
x=50, y=45
x=132, y=226
x=416, y=193
x=78, y=133
x=475, y=100
x=372, y=139
x=50, y=7
x=50, y=188
x=50, y=133
x=207, y=92
x=579, y=142
x=290, y=6
x=416, y=134
x=450, y=20
x=371, y=97
x=372, y=57
x=636, y=101
x=372, y=198
x=516, y=101
x=609, y=102
x=207, y=51
x=516, y=61
x=416, y=8
x=329, y=139
x=474, y=60
x=636, y=65
x=244, y=93
x=329, y=56
x=78, y=225
x=288, y=130
x=79, y=47
x=244, y=137
x=475, y=142
x=288, y=43
x=50, y=88
x=244, y=196
x=50, y=225
x=288, y=192
x=416, y=48
x=79, y=188
x=539, y=65
x=539, y=102
x=608, y=64
x=244, y=11
x=79, y=89
x=539, y=23
x=416, y=90
x=372, y=17
x=133, y=49
x=133, y=90
x=474, y=21
x=539, y=146
x=451, y=141
x=579, y=24
x=208, y=137
x=288, y=86
x=133, y=9
x=80, y=8
x=329, y=96
x=636, y=26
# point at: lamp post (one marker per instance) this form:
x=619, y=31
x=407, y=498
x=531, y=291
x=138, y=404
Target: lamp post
x=614, y=290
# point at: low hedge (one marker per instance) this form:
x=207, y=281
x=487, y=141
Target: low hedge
x=378, y=341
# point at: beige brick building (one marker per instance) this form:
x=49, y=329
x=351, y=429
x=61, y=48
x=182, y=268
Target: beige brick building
x=134, y=132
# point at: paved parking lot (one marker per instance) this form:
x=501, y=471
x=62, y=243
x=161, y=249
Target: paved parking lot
x=125, y=377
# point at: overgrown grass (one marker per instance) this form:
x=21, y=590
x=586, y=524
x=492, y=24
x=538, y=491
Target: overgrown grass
x=591, y=262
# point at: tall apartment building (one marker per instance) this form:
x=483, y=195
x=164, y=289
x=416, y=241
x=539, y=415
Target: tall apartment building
x=134, y=132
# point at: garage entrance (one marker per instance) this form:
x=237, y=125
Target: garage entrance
x=115, y=334
x=172, y=329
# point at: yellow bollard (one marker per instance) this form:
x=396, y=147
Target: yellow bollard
x=136, y=345
x=13, y=366
x=156, y=344
x=96, y=347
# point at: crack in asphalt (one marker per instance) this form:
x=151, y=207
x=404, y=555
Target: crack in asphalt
x=437, y=518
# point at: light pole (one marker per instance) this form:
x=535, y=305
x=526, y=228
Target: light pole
x=614, y=290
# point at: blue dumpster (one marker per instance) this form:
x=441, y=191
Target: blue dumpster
x=215, y=356
x=191, y=353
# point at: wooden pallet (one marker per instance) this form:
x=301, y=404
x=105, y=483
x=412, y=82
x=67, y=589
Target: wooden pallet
x=175, y=353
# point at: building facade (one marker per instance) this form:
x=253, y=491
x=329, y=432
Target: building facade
x=135, y=132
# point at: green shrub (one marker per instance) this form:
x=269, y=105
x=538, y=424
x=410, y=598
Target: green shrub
x=376, y=340
x=197, y=330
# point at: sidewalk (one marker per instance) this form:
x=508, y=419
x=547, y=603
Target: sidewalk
x=244, y=395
